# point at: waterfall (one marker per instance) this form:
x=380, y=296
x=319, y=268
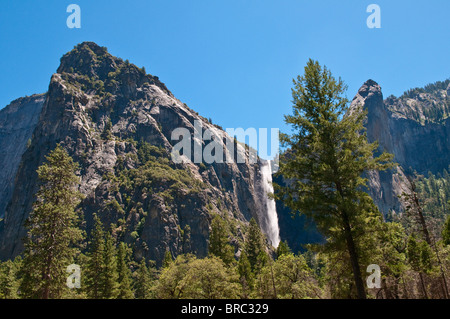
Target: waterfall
x=270, y=219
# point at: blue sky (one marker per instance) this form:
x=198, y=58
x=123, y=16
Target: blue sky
x=234, y=60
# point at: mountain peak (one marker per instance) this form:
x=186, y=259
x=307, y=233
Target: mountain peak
x=370, y=86
x=90, y=60
x=371, y=82
x=91, y=45
x=369, y=95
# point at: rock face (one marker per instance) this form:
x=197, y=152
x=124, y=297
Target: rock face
x=17, y=123
x=405, y=127
x=296, y=230
x=116, y=121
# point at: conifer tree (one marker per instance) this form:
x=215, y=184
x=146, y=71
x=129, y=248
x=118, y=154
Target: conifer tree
x=283, y=249
x=124, y=272
x=8, y=280
x=53, y=228
x=143, y=281
x=326, y=157
x=245, y=274
x=254, y=246
x=110, y=277
x=95, y=264
x=218, y=241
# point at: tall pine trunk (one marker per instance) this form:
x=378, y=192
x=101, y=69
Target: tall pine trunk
x=353, y=258
x=352, y=250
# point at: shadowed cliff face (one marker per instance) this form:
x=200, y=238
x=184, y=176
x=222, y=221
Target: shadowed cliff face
x=116, y=121
x=398, y=124
x=17, y=123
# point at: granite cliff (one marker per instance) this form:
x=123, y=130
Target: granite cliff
x=116, y=121
x=17, y=123
x=414, y=127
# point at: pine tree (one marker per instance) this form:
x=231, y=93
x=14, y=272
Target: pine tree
x=245, y=274
x=143, y=281
x=95, y=264
x=254, y=246
x=8, y=281
x=124, y=272
x=283, y=249
x=110, y=277
x=53, y=231
x=326, y=158
x=218, y=241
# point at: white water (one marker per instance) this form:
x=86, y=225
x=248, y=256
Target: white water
x=271, y=219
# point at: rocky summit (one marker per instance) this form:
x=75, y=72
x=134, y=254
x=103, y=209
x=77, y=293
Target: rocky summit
x=414, y=127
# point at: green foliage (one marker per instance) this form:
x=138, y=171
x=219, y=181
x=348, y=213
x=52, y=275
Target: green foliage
x=283, y=249
x=189, y=277
x=110, y=277
x=186, y=239
x=219, y=241
x=254, y=247
x=326, y=158
x=148, y=152
x=419, y=255
x=141, y=176
x=168, y=259
x=434, y=194
x=246, y=276
x=429, y=105
x=95, y=265
x=124, y=272
x=53, y=228
x=106, y=134
x=9, y=283
x=108, y=271
x=289, y=277
x=429, y=88
x=202, y=166
x=155, y=174
x=143, y=281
